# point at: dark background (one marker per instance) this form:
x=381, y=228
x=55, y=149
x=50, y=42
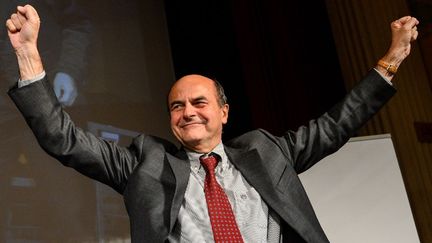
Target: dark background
x=276, y=59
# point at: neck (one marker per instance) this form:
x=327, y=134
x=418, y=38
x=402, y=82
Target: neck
x=201, y=148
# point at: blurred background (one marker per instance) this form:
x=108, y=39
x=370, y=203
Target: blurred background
x=282, y=63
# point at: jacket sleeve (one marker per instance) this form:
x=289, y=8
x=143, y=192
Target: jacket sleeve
x=329, y=132
x=73, y=147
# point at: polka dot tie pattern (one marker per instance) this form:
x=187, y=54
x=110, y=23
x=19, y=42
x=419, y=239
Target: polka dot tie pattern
x=222, y=218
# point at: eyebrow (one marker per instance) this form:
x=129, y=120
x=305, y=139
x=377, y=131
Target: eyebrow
x=178, y=102
x=199, y=98
x=175, y=102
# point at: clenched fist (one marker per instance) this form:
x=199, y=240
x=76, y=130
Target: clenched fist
x=23, y=29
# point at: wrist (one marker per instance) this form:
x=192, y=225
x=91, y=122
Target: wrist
x=384, y=72
x=389, y=67
x=29, y=62
x=394, y=56
x=27, y=50
x=390, y=62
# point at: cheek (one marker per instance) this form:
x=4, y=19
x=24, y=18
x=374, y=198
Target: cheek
x=174, y=120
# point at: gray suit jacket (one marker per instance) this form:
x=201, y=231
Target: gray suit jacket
x=152, y=173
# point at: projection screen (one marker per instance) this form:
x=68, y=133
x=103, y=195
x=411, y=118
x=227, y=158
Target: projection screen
x=359, y=195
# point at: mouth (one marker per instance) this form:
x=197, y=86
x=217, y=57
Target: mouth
x=191, y=124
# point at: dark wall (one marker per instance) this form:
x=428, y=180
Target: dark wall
x=276, y=59
x=203, y=41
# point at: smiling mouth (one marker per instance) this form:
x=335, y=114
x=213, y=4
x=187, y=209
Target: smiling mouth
x=191, y=124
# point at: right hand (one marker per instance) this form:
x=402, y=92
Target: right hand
x=23, y=28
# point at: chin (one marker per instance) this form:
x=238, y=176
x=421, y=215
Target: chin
x=192, y=141
x=192, y=136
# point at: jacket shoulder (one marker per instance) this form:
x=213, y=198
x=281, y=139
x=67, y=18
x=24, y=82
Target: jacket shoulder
x=144, y=143
x=259, y=139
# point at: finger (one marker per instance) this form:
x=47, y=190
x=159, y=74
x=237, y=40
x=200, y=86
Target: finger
x=404, y=19
x=10, y=26
x=411, y=23
x=400, y=22
x=417, y=21
x=22, y=10
x=16, y=21
x=396, y=24
x=414, y=36
x=21, y=18
x=29, y=12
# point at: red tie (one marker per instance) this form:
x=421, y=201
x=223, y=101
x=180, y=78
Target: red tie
x=221, y=215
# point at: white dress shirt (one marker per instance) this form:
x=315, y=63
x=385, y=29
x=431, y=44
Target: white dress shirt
x=251, y=212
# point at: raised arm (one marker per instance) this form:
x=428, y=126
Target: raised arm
x=404, y=31
x=52, y=126
x=328, y=133
x=23, y=29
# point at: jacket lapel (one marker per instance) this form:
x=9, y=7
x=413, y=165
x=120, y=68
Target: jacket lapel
x=250, y=164
x=181, y=169
x=254, y=170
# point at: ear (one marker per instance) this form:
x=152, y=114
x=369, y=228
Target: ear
x=224, y=111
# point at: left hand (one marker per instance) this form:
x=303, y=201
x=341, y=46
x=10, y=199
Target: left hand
x=23, y=29
x=404, y=31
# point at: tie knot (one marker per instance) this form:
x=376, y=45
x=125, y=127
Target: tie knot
x=210, y=162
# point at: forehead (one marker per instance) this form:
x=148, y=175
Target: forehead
x=192, y=86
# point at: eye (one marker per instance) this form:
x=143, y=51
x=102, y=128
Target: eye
x=175, y=107
x=200, y=103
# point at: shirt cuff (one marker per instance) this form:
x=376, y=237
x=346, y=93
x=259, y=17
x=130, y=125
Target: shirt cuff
x=22, y=83
x=388, y=81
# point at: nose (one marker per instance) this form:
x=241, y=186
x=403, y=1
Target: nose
x=188, y=111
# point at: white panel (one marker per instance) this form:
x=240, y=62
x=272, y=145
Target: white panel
x=359, y=196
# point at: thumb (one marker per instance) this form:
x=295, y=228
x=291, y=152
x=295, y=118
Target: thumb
x=29, y=12
x=400, y=22
x=404, y=19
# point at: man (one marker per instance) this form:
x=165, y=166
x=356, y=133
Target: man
x=183, y=195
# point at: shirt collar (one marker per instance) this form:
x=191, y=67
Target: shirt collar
x=218, y=150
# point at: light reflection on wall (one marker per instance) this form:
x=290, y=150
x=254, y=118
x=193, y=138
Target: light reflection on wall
x=111, y=53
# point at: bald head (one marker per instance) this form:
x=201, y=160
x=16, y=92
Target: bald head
x=220, y=92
